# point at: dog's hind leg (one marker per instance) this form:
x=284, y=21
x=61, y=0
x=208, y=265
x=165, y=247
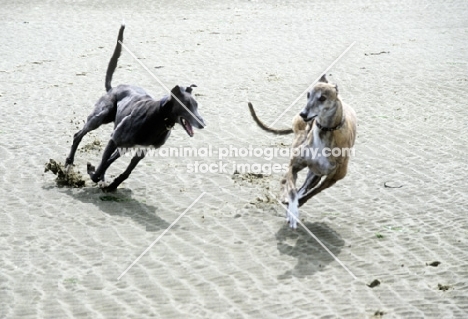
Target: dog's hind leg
x=103, y=113
x=329, y=181
x=310, y=182
x=122, y=177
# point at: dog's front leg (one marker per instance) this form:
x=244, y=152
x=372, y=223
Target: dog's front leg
x=97, y=174
x=292, y=214
x=111, y=160
x=119, y=179
x=76, y=141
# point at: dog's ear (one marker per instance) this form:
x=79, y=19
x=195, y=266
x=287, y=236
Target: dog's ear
x=189, y=88
x=323, y=79
x=175, y=90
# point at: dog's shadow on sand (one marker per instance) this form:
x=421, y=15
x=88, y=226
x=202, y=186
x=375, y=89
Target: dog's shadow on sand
x=311, y=256
x=120, y=203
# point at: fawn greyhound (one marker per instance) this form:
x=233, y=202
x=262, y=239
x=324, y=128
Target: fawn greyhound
x=138, y=118
x=325, y=131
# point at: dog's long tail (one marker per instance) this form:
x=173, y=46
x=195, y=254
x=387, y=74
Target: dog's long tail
x=266, y=127
x=115, y=57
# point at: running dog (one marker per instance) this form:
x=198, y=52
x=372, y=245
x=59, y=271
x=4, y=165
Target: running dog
x=325, y=131
x=139, y=120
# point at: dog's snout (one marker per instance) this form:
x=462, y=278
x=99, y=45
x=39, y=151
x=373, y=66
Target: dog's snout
x=201, y=123
x=303, y=115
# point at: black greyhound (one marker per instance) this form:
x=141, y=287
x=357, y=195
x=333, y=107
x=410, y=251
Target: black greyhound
x=139, y=120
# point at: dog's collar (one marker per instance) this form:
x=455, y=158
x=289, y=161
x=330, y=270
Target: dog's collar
x=329, y=129
x=167, y=122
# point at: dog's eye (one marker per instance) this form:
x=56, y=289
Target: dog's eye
x=322, y=98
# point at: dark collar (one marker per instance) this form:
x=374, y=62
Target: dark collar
x=329, y=129
x=167, y=121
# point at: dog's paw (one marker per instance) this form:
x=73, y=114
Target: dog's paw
x=108, y=188
x=292, y=214
x=102, y=184
x=68, y=168
x=91, y=172
x=292, y=222
x=68, y=161
x=90, y=168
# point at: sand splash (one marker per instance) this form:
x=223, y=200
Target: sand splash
x=70, y=179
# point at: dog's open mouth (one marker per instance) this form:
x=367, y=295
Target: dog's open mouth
x=310, y=118
x=187, y=126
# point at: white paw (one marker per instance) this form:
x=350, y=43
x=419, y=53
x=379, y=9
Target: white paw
x=102, y=184
x=292, y=215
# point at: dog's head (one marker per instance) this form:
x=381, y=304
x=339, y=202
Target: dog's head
x=321, y=100
x=186, y=114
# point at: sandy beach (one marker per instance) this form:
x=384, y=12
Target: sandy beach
x=399, y=216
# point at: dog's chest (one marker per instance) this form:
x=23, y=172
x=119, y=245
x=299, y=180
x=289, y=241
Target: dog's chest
x=153, y=137
x=320, y=157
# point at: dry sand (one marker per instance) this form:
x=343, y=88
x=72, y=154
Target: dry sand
x=232, y=255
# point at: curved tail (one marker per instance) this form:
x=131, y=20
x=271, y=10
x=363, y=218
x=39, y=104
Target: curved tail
x=265, y=127
x=115, y=57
